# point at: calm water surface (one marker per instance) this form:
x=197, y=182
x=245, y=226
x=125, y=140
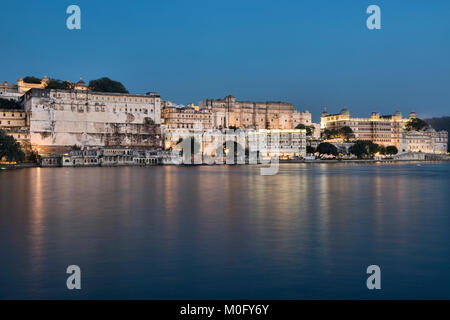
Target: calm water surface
x=226, y=231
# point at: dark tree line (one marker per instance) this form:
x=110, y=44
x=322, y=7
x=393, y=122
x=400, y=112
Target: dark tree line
x=361, y=149
x=309, y=129
x=104, y=84
x=417, y=124
x=107, y=85
x=9, y=104
x=345, y=133
x=10, y=149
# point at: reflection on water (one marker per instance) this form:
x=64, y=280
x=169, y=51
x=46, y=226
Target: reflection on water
x=226, y=231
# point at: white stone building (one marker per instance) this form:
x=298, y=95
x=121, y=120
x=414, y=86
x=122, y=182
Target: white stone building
x=80, y=117
x=428, y=141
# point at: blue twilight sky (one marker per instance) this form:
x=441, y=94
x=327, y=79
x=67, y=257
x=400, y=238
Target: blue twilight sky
x=312, y=53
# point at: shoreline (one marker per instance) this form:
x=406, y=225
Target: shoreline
x=317, y=161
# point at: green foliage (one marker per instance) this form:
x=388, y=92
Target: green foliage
x=59, y=84
x=309, y=129
x=310, y=150
x=364, y=149
x=31, y=79
x=416, y=124
x=382, y=149
x=9, y=148
x=75, y=147
x=327, y=148
x=9, y=104
x=345, y=133
x=29, y=154
x=107, y=85
x=391, y=150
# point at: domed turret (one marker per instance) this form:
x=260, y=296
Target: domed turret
x=81, y=85
x=344, y=112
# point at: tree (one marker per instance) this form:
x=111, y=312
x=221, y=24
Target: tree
x=29, y=154
x=107, y=85
x=9, y=104
x=381, y=149
x=31, y=79
x=10, y=148
x=327, y=148
x=309, y=129
x=75, y=147
x=416, y=124
x=59, y=84
x=310, y=150
x=330, y=134
x=346, y=133
x=391, y=150
x=363, y=149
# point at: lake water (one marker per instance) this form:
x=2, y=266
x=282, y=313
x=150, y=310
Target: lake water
x=223, y=232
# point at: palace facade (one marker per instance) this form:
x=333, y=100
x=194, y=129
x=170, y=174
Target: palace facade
x=382, y=130
x=228, y=112
x=58, y=118
x=190, y=117
x=428, y=141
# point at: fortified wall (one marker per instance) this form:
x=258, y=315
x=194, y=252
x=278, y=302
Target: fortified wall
x=62, y=118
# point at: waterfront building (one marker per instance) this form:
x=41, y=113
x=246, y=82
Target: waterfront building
x=12, y=118
x=13, y=122
x=286, y=144
x=228, y=112
x=190, y=117
x=78, y=158
x=51, y=161
x=111, y=156
x=428, y=141
x=61, y=118
x=382, y=130
x=16, y=91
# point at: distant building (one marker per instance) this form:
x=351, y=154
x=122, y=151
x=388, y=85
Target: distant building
x=286, y=144
x=13, y=122
x=174, y=117
x=228, y=112
x=428, y=141
x=382, y=130
x=15, y=91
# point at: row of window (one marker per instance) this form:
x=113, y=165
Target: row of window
x=12, y=115
x=101, y=98
x=61, y=108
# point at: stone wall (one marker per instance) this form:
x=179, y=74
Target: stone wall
x=65, y=118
